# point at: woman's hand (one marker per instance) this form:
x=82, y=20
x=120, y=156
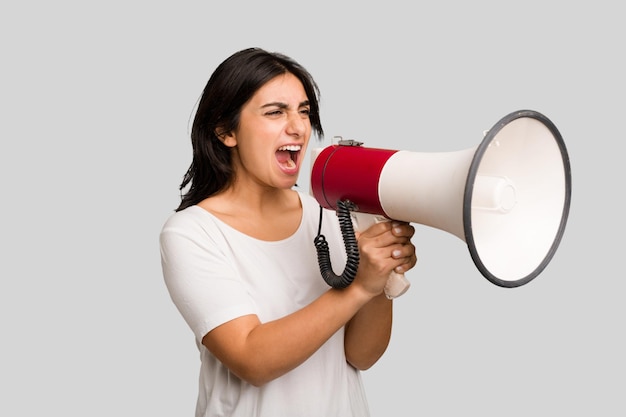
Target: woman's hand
x=384, y=247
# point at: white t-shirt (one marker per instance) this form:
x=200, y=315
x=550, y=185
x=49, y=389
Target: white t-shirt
x=215, y=273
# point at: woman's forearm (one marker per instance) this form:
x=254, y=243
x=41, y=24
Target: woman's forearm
x=368, y=332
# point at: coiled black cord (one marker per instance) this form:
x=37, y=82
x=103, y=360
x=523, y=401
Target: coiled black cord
x=350, y=242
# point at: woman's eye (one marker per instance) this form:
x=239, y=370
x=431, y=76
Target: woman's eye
x=305, y=111
x=274, y=112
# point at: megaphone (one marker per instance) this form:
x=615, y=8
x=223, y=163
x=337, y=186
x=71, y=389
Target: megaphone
x=508, y=198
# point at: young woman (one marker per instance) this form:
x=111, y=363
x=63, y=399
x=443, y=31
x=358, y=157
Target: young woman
x=240, y=264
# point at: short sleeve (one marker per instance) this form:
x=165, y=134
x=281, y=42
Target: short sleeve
x=199, y=273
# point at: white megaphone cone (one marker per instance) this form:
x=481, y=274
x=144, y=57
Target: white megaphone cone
x=508, y=198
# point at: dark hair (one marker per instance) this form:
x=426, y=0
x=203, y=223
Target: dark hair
x=230, y=86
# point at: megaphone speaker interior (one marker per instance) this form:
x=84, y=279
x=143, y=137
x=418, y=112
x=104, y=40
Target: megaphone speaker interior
x=508, y=198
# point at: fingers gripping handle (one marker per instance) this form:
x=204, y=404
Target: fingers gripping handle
x=397, y=284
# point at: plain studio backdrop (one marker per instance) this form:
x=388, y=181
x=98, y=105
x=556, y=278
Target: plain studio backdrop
x=96, y=105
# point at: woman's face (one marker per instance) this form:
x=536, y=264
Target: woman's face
x=273, y=133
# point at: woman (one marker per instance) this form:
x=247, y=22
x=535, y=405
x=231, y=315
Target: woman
x=240, y=264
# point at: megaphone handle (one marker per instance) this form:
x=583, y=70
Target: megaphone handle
x=397, y=284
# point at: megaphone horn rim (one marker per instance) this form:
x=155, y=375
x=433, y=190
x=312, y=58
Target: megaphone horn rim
x=468, y=193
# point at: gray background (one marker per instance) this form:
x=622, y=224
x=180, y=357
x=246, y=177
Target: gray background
x=96, y=101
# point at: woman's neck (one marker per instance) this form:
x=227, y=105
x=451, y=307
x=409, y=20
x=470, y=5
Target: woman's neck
x=274, y=214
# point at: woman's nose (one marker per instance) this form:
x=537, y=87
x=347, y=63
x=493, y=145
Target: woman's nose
x=297, y=125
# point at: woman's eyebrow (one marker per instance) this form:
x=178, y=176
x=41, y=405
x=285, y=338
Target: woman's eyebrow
x=278, y=104
x=282, y=105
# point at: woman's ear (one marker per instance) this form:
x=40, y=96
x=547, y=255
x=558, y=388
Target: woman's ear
x=227, y=138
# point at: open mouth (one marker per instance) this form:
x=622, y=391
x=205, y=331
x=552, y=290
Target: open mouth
x=287, y=155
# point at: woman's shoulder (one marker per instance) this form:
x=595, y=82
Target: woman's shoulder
x=189, y=220
x=190, y=214
x=313, y=212
x=307, y=199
